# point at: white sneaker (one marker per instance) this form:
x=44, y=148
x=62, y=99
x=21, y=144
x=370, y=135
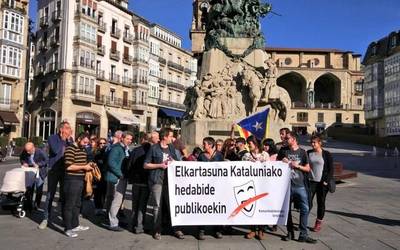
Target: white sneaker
x=80, y=228
x=43, y=224
x=71, y=234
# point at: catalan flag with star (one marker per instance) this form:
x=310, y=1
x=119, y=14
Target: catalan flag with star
x=257, y=124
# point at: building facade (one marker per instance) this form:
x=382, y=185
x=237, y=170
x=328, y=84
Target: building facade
x=93, y=69
x=382, y=85
x=13, y=40
x=325, y=87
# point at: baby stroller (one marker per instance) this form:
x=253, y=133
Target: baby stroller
x=13, y=191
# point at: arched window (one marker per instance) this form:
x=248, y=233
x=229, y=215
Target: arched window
x=46, y=124
x=295, y=84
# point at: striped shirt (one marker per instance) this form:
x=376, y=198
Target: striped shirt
x=75, y=155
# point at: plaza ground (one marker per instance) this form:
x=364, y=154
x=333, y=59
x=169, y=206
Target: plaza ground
x=363, y=213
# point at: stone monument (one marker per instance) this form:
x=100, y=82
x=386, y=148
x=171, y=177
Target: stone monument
x=237, y=76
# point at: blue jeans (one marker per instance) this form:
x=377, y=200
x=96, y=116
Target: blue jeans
x=54, y=177
x=300, y=197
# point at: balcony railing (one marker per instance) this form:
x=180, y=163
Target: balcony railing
x=41, y=70
x=114, y=54
x=102, y=26
x=7, y=104
x=79, y=14
x=162, y=60
x=100, y=99
x=127, y=81
x=101, y=49
x=56, y=15
x=188, y=71
x=176, y=85
x=113, y=101
x=162, y=81
x=82, y=95
x=55, y=41
x=16, y=7
x=128, y=38
x=114, y=78
x=317, y=105
x=116, y=33
x=127, y=59
x=100, y=75
x=175, y=66
x=52, y=94
x=43, y=45
x=83, y=63
x=171, y=104
x=54, y=66
x=44, y=22
x=136, y=60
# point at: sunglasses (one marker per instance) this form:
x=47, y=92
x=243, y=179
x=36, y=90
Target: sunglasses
x=102, y=143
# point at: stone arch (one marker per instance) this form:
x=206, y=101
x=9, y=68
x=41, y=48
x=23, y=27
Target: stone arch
x=295, y=84
x=327, y=90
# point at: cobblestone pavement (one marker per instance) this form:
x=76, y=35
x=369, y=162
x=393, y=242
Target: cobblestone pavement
x=363, y=213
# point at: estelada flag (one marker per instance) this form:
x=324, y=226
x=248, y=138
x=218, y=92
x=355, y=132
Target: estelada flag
x=256, y=124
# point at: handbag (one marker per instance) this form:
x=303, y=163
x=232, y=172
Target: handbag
x=332, y=185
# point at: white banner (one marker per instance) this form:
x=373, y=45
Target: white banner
x=228, y=193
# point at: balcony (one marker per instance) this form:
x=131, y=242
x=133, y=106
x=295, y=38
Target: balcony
x=7, y=104
x=127, y=59
x=100, y=75
x=128, y=38
x=101, y=49
x=43, y=45
x=126, y=104
x=127, y=81
x=175, y=66
x=162, y=81
x=53, y=67
x=162, y=60
x=171, y=104
x=114, y=78
x=114, y=54
x=84, y=95
x=18, y=7
x=100, y=99
x=175, y=85
x=102, y=27
x=52, y=94
x=44, y=22
x=41, y=70
x=79, y=15
x=55, y=41
x=141, y=60
x=188, y=71
x=138, y=104
x=84, y=63
x=116, y=102
x=116, y=33
x=56, y=17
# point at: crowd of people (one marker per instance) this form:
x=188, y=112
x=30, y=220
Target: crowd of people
x=68, y=163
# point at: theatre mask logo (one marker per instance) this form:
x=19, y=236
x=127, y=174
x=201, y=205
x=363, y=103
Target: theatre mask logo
x=244, y=193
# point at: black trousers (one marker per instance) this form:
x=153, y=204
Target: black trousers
x=73, y=187
x=38, y=197
x=319, y=189
x=99, y=194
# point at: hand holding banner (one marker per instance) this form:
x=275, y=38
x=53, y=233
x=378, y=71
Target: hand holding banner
x=229, y=193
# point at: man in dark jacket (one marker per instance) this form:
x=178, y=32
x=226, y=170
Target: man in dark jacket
x=57, y=144
x=35, y=157
x=116, y=182
x=138, y=176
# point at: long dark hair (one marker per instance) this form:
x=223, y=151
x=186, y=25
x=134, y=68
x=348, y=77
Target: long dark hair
x=271, y=146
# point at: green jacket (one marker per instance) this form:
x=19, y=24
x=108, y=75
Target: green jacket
x=115, y=159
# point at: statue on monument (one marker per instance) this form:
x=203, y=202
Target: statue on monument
x=238, y=77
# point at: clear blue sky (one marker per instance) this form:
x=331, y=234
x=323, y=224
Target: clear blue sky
x=341, y=24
